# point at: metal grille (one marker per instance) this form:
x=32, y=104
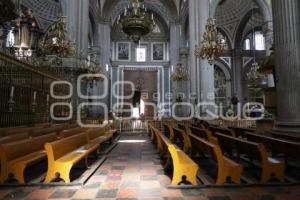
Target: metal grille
x=28, y=84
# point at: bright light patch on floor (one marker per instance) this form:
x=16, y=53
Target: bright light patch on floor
x=132, y=141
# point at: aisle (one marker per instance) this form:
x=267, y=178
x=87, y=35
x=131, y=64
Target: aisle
x=133, y=171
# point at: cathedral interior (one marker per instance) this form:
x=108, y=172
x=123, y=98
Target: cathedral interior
x=150, y=99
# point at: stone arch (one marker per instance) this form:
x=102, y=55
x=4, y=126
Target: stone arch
x=228, y=75
x=263, y=5
x=238, y=40
x=228, y=39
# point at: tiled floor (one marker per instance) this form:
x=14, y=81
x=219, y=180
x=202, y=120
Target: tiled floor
x=133, y=171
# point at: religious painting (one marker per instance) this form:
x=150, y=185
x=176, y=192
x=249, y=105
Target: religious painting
x=158, y=51
x=123, y=51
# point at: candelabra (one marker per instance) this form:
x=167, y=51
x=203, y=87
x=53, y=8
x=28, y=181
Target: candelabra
x=213, y=44
x=136, y=22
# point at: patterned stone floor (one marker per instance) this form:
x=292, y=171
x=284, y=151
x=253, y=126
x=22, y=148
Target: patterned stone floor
x=133, y=171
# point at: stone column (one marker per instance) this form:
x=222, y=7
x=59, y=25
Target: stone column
x=268, y=33
x=201, y=73
x=77, y=13
x=174, y=54
x=238, y=74
x=286, y=16
x=174, y=42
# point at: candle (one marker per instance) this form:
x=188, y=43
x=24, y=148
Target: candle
x=12, y=90
x=34, y=96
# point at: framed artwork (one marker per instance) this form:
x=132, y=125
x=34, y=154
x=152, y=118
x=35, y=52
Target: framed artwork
x=158, y=51
x=123, y=51
x=141, y=53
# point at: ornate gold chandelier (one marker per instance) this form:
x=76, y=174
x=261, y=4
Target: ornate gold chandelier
x=213, y=44
x=136, y=21
x=180, y=74
x=56, y=40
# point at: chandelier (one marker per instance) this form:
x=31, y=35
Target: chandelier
x=213, y=44
x=254, y=77
x=56, y=40
x=180, y=74
x=136, y=21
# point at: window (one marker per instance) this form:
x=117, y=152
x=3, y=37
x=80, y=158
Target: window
x=141, y=53
x=258, y=41
x=247, y=44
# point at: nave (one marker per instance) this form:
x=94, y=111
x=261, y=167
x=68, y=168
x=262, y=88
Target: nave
x=135, y=169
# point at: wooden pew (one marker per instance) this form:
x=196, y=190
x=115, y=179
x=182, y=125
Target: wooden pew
x=3, y=131
x=13, y=138
x=184, y=168
x=202, y=133
x=226, y=167
x=43, y=125
x=225, y=131
x=98, y=136
x=22, y=130
x=277, y=146
x=109, y=131
x=17, y=156
x=182, y=135
x=65, y=153
x=253, y=151
x=55, y=129
x=240, y=132
x=168, y=131
x=293, y=137
x=72, y=132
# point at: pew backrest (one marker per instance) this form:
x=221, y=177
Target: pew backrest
x=224, y=131
x=59, y=148
x=252, y=149
x=277, y=146
x=11, y=151
x=71, y=132
x=13, y=138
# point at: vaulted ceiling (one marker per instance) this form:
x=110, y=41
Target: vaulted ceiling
x=167, y=9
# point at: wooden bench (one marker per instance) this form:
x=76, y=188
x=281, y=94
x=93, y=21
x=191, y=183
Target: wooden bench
x=240, y=132
x=225, y=131
x=17, y=156
x=65, y=153
x=293, y=137
x=253, y=151
x=98, y=136
x=184, y=168
x=168, y=131
x=43, y=125
x=22, y=130
x=226, y=167
x=13, y=138
x=72, y=132
x=4, y=131
x=39, y=132
x=277, y=146
x=109, y=131
x=182, y=136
